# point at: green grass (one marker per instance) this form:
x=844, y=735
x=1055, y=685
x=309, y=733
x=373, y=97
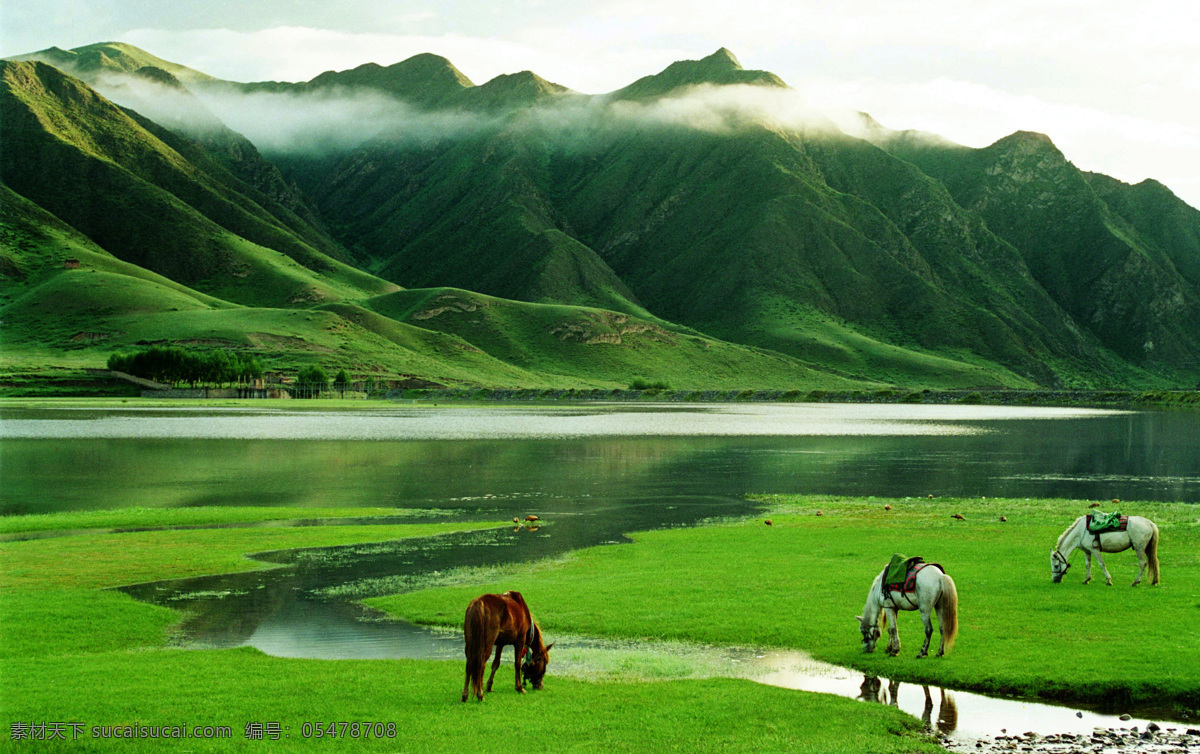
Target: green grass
x=197, y=516
x=798, y=583
x=75, y=650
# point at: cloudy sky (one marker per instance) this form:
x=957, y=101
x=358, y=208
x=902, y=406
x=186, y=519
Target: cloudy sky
x=1115, y=84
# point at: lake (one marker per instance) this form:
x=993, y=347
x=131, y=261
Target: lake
x=573, y=459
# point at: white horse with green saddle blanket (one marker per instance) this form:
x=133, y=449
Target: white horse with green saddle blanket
x=935, y=591
x=1141, y=534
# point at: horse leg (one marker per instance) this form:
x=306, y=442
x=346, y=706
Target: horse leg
x=925, y=612
x=1143, y=561
x=519, y=650
x=495, y=666
x=1087, y=557
x=893, y=647
x=1107, y=575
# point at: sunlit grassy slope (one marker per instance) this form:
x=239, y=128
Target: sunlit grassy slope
x=597, y=345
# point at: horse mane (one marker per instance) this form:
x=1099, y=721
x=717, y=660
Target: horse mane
x=1062, y=537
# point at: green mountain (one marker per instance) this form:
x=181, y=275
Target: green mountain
x=719, y=69
x=116, y=231
x=1122, y=260
x=534, y=236
x=804, y=241
x=91, y=61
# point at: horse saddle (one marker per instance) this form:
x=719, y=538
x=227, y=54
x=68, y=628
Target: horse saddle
x=901, y=573
x=1099, y=523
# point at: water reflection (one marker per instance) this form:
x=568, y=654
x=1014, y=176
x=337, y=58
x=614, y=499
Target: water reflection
x=872, y=689
x=98, y=462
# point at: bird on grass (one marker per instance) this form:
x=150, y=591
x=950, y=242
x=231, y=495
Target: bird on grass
x=767, y=522
x=1094, y=505
x=959, y=516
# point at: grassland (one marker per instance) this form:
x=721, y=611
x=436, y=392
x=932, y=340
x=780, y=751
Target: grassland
x=798, y=582
x=74, y=650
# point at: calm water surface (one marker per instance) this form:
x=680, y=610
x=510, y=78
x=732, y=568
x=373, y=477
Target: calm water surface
x=559, y=459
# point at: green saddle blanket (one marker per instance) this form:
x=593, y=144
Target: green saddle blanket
x=897, y=569
x=1098, y=522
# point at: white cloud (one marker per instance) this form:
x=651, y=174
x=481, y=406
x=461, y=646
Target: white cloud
x=1115, y=83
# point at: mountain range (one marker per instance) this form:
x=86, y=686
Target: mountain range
x=697, y=226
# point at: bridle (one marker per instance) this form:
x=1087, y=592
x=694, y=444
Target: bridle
x=1058, y=557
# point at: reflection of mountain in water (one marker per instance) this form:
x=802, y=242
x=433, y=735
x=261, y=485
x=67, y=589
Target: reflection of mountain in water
x=1142, y=456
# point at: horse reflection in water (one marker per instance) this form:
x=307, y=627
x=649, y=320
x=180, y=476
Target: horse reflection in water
x=872, y=690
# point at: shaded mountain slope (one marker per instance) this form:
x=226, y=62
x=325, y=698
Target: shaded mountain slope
x=1126, y=272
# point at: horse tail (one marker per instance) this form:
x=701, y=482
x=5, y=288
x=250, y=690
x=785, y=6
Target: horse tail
x=1152, y=554
x=475, y=633
x=947, y=611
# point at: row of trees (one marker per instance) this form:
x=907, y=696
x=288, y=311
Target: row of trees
x=176, y=365
x=315, y=375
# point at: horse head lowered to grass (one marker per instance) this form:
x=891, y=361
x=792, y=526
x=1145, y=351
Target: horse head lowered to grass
x=498, y=620
x=920, y=586
x=1133, y=531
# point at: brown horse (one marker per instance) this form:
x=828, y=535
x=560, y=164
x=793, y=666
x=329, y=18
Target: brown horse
x=497, y=620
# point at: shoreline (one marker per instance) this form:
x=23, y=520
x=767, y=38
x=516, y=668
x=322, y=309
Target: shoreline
x=1131, y=399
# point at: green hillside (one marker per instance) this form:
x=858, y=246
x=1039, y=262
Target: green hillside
x=116, y=178
x=597, y=346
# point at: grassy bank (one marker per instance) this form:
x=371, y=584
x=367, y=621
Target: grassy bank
x=74, y=650
x=799, y=582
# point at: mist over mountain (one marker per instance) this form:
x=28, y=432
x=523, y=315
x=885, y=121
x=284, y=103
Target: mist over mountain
x=706, y=203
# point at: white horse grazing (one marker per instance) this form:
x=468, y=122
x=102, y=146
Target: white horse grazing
x=1141, y=535
x=934, y=591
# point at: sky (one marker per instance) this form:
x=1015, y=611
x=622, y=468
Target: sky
x=1115, y=84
